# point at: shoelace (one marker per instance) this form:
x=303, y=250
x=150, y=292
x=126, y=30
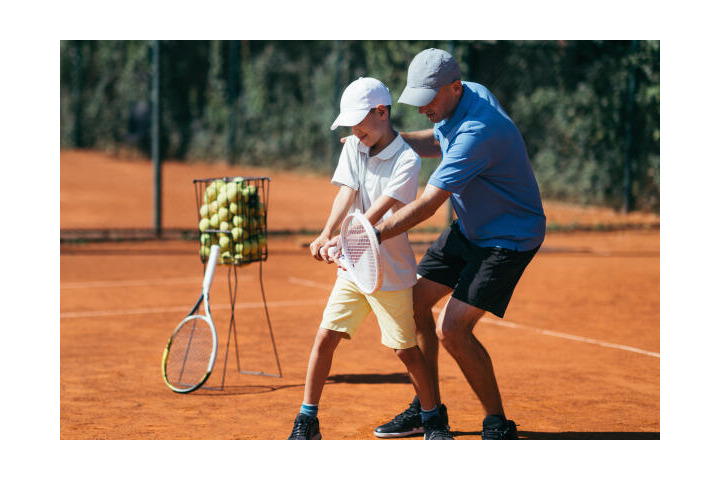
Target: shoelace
x=411, y=411
x=437, y=429
x=301, y=427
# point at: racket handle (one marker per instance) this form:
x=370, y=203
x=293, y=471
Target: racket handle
x=211, y=264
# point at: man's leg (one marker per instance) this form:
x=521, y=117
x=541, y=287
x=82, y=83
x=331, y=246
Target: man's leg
x=455, y=331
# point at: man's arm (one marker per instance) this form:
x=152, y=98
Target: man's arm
x=380, y=206
x=423, y=142
x=342, y=203
x=414, y=212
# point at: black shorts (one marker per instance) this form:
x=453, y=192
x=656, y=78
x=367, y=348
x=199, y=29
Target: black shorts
x=484, y=277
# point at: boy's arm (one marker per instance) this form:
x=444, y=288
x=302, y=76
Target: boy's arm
x=341, y=205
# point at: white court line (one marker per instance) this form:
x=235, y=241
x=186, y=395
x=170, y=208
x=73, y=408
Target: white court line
x=135, y=283
x=566, y=336
x=309, y=283
x=186, y=309
x=313, y=284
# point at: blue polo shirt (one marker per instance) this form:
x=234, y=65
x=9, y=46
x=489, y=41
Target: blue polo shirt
x=486, y=168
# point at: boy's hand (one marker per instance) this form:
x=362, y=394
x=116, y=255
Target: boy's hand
x=317, y=245
x=324, y=251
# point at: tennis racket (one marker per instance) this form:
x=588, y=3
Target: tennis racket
x=360, y=253
x=190, y=353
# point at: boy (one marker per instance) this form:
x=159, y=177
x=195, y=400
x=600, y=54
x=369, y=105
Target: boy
x=377, y=173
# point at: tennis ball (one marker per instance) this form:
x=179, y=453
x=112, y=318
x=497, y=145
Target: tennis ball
x=231, y=191
x=233, y=207
x=214, y=221
x=224, y=243
x=223, y=213
x=237, y=233
x=212, y=208
x=240, y=181
x=252, y=190
x=222, y=199
x=204, y=252
x=210, y=193
x=253, y=246
x=238, y=248
x=204, y=224
x=226, y=258
x=262, y=241
x=225, y=226
x=246, y=248
x=239, y=221
x=205, y=239
x=218, y=184
x=238, y=258
x=204, y=211
x=244, y=193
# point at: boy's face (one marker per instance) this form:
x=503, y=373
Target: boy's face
x=373, y=126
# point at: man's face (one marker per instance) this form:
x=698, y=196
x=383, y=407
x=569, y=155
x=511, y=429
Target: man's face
x=372, y=128
x=444, y=103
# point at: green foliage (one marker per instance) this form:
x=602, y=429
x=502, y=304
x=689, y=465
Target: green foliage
x=584, y=107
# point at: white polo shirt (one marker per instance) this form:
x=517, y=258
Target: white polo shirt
x=392, y=172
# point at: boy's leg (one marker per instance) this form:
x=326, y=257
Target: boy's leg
x=419, y=376
x=426, y=294
x=326, y=341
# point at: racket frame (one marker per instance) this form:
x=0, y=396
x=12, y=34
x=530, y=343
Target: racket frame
x=205, y=301
x=374, y=246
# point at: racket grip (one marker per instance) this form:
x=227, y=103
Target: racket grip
x=332, y=251
x=211, y=264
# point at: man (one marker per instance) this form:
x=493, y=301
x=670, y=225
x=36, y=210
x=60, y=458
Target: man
x=500, y=226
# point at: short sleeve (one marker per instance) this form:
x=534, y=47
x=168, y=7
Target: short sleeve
x=346, y=170
x=466, y=158
x=403, y=184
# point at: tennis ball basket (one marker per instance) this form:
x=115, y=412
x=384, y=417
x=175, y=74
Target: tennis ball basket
x=232, y=213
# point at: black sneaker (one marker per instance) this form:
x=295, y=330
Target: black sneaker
x=305, y=428
x=436, y=429
x=408, y=422
x=498, y=428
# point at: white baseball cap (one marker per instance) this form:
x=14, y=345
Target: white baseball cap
x=358, y=99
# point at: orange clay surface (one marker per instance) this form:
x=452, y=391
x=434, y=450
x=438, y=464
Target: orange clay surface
x=576, y=356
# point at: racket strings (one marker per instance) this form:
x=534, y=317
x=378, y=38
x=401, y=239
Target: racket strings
x=189, y=354
x=358, y=251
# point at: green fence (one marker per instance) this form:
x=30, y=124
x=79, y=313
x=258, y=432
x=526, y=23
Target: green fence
x=589, y=110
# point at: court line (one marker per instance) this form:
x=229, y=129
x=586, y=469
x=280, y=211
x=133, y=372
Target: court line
x=135, y=283
x=186, y=309
x=313, y=284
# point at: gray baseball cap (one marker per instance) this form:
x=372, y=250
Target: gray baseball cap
x=428, y=71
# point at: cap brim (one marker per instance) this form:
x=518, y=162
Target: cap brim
x=417, y=97
x=349, y=119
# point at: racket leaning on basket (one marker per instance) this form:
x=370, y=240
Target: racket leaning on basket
x=360, y=253
x=190, y=352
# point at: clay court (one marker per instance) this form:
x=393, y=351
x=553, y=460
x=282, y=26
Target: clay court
x=577, y=355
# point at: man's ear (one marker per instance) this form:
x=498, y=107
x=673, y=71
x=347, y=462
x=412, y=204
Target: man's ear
x=457, y=86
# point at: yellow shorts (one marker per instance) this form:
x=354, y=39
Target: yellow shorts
x=348, y=306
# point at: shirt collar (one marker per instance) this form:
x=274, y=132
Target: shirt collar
x=388, y=152
x=447, y=125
